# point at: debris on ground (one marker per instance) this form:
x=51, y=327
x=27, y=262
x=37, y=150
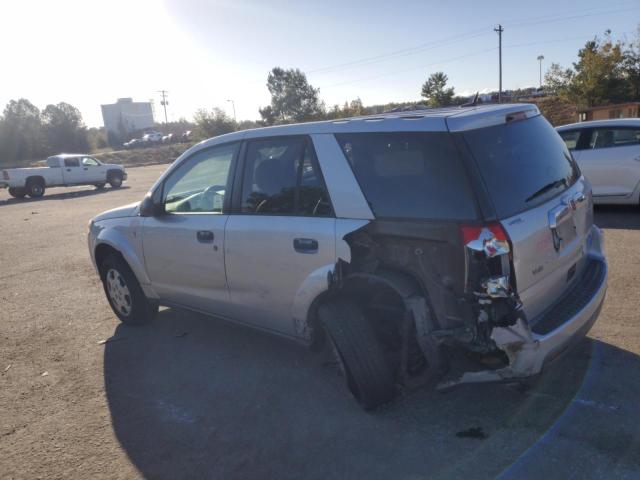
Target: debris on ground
x=473, y=432
x=110, y=340
x=44, y=374
x=34, y=213
x=7, y=368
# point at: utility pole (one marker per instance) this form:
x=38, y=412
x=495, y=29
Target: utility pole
x=233, y=104
x=164, y=102
x=499, y=30
x=540, y=58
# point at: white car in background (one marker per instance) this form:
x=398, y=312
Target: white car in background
x=608, y=153
x=152, y=137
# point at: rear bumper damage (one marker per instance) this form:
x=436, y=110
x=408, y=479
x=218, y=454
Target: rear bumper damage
x=530, y=345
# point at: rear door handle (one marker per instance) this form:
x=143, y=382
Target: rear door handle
x=305, y=245
x=205, y=236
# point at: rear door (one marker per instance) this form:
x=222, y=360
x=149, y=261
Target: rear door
x=73, y=172
x=610, y=160
x=281, y=231
x=541, y=201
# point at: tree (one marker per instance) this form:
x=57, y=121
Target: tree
x=293, y=99
x=64, y=129
x=631, y=67
x=435, y=90
x=213, y=123
x=20, y=131
x=597, y=78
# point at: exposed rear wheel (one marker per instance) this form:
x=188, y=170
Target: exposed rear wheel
x=124, y=293
x=369, y=377
x=35, y=188
x=17, y=192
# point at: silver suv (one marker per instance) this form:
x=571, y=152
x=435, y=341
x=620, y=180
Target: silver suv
x=397, y=239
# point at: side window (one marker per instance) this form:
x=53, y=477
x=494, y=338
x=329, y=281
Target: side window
x=281, y=178
x=609, y=137
x=570, y=138
x=89, y=162
x=198, y=185
x=71, y=162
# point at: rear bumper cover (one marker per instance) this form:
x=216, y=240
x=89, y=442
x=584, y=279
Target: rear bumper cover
x=531, y=348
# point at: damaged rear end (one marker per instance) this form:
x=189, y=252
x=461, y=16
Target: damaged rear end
x=483, y=238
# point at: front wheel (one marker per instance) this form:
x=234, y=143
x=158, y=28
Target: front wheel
x=124, y=293
x=115, y=180
x=17, y=192
x=369, y=376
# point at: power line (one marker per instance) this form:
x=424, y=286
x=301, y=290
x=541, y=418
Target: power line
x=524, y=22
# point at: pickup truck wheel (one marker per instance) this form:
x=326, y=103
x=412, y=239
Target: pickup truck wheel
x=115, y=180
x=369, y=377
x=17, y=192
x=35, y=188
x=124, y=293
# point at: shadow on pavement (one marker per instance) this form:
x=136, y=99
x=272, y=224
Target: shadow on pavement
x=61, y=196
x=617, y=216
x=194, y=397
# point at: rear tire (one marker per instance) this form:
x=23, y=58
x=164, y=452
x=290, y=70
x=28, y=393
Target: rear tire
x=124, y=293
x=115, y=180
x=369, y=377
x=17, y=192
x=35, y=188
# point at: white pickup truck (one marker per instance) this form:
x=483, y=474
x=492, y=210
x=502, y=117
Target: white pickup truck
x=61, y=171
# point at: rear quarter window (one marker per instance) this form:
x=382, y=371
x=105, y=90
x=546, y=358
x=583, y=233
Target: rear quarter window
x=410, y=175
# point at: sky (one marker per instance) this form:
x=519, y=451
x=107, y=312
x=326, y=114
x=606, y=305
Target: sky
x=206, y=52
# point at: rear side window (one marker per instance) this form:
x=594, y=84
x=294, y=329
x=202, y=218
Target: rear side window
x=614, y=137
x=410, y=175
x=523, y=163
x=281, y=178
x=71, y=162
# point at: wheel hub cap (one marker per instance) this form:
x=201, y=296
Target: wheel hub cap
x=118, y=292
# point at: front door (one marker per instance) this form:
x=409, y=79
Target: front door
x=283, y=232
x=93, y=170
x=184, y=247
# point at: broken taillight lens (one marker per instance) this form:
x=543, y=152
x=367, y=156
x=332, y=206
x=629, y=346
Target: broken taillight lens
x=471, y=233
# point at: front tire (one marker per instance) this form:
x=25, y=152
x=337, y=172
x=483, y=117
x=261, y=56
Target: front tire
x=115, y=180
x=124, y=293
x=369, y=376
x=17, y=192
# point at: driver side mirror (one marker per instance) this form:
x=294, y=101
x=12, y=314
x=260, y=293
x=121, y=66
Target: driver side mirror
x=148, y=208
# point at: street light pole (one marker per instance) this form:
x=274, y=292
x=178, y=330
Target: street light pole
x=233, y=104
x=540, y=58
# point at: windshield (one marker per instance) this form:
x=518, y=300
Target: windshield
x=523, y=163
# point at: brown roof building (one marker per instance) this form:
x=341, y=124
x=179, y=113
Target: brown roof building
x=620, y=110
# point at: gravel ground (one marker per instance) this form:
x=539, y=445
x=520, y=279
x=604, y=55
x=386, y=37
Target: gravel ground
x=193, y=397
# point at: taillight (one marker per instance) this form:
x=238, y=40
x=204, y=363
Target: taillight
x=472, y=232
x=5, y=175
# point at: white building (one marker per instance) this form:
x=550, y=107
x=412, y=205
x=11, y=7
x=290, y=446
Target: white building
x=126, y=116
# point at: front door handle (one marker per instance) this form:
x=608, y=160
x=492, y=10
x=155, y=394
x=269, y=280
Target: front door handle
x=305, y=245
x=205, y=236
